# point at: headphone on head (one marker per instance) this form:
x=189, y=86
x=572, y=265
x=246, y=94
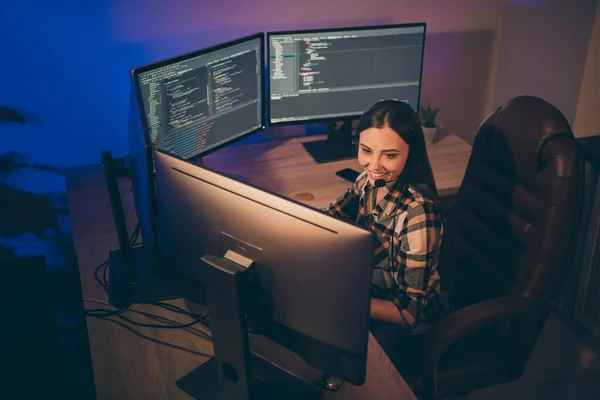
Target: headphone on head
x=382, y=103
x=388, y=102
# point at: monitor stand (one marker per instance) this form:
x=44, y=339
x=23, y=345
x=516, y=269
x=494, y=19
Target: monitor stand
x=233, y=372
x=338, y=145
x=133, y=276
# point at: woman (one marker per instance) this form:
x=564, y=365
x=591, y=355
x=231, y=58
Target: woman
x=395, y=198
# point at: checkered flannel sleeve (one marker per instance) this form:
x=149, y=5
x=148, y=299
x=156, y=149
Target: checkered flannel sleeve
x=346, y=206
x=417, y=245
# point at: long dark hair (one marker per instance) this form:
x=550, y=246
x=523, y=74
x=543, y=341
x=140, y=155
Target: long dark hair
x=402, y=119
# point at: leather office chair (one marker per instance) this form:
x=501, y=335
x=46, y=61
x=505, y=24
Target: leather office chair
x=507, y=246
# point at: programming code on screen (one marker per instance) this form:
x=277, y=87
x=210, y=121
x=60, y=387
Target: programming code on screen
x=339, y=74
x=195, y=105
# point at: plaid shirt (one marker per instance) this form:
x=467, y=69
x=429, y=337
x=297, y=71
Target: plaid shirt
x=407, y=231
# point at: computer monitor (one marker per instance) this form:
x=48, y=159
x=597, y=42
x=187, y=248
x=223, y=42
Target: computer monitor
x=191, y=105
x=337, y=74
x=312, y=272
x=198, y=102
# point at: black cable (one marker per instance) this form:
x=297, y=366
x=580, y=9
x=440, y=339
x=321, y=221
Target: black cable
x=172, y=326
x=174, y=308
x=100, y=282
x=195, y=331
x=203, y=319
x=152, y=339
x=104, y=313
x=159, y=318
x=107, y=288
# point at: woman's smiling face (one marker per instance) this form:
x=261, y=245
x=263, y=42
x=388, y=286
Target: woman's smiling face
x=382, y=153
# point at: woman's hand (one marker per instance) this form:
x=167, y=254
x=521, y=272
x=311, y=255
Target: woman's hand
x=385, y=310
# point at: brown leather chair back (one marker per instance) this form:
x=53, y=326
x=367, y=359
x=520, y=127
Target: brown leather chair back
x=512, y=231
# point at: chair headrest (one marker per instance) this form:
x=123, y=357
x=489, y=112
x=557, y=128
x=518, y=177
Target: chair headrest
x=523, y=126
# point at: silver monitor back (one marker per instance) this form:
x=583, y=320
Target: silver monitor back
x=316, y=269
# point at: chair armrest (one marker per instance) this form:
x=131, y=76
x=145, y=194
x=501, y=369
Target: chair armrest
x=470, y=319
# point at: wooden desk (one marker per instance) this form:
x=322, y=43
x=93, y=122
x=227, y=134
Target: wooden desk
x=129, y=367
x=286, y=168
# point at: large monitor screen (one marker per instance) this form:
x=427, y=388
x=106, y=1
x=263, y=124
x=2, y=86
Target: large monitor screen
x=198, y=102
x=338, y=74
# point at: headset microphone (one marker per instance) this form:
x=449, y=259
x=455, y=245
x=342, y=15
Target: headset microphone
x=379, y=183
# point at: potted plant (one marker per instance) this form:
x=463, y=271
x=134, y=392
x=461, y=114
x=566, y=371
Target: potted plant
x=430, y=128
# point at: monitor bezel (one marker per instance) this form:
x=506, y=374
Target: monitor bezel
x=135, y=72
x=329, y=30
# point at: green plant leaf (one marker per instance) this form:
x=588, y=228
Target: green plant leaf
x=428, y=116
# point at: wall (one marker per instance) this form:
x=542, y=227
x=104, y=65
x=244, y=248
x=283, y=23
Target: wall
x=543, y=51
x=68, y=62
x=587, y=118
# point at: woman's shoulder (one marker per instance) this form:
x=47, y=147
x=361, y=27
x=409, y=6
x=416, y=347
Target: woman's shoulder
x=417, y=195
x=359, y=183
x=418, y=203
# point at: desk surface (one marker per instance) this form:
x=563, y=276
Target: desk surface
x=129, y=367
x=285, y=167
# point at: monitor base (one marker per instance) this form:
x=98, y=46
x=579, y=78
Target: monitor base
x=146, y=285
x=267, y=382
x=338, y=145
x=233, y=372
